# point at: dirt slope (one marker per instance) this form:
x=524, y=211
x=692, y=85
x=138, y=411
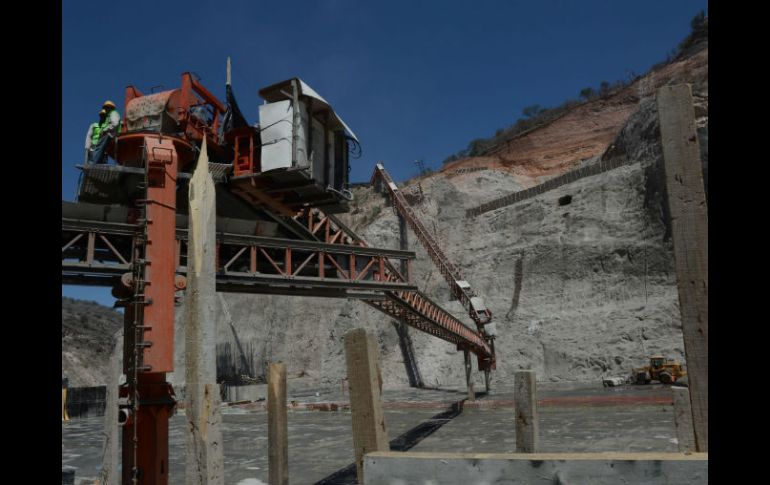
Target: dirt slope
x=587, y=130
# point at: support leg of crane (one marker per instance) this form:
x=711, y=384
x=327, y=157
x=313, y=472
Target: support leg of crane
x=149, y=325
x=468, y=376
x=486, y=379
x=156, y=405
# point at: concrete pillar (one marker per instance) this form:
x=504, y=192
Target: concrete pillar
x=369, y=432
x=525, y=402
x=204, y=434
x=110, y=473
x=402, y=329
x=277, y=426
x=689, y=228
x=469, y=375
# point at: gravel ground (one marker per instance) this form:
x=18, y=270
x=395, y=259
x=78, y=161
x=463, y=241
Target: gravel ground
x=320, y=443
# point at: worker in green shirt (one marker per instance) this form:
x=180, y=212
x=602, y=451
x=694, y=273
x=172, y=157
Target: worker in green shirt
x=108, y=128
x=92, y=137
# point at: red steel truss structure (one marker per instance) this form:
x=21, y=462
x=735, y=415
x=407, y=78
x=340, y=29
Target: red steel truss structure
x=98, y=253
x=142, y=256
x=406, y=308
x=460, y=289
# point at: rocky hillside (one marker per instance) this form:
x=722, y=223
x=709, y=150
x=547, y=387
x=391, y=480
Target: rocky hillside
x=580, y=286
x=86, y=332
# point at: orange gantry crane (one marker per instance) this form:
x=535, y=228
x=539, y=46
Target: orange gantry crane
x=279, y=184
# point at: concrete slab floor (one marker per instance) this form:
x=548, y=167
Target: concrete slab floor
x=320, y=443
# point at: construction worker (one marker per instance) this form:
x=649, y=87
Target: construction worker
x=108, y=129
x=92, y=137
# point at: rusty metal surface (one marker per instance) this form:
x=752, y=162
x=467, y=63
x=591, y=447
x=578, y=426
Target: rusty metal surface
x=414, y=309
x=160, y=210
x=146, y=112
x=373, y=272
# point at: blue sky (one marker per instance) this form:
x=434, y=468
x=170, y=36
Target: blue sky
x=413, y=79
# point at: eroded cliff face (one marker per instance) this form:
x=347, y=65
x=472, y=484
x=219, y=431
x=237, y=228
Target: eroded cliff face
x=578, y=288
x=580, y=279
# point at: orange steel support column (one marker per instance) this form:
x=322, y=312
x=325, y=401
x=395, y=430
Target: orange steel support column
x=149, y=466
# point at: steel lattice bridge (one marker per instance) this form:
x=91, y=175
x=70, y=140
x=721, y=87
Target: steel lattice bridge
x=99, y=253
x=278, y=185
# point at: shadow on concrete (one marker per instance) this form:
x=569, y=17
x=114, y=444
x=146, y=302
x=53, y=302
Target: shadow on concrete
x=454, y=391
x=347, y=475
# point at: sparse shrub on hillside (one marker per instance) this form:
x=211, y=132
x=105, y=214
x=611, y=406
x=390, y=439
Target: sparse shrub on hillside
x=699, y=31
x=477, y=147
x=532, y=111
x=536, y=116
x=455, y=156
x=699, y=22
x=587, y=93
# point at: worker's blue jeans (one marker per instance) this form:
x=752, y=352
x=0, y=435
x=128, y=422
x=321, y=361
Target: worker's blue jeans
x=97, y=153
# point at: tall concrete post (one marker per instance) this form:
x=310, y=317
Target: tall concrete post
x=404, y=339
x=110, y=473
x=689, y=229
x=204, y=434
x=277, y=426
x=369, y=431
x=469, y=376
